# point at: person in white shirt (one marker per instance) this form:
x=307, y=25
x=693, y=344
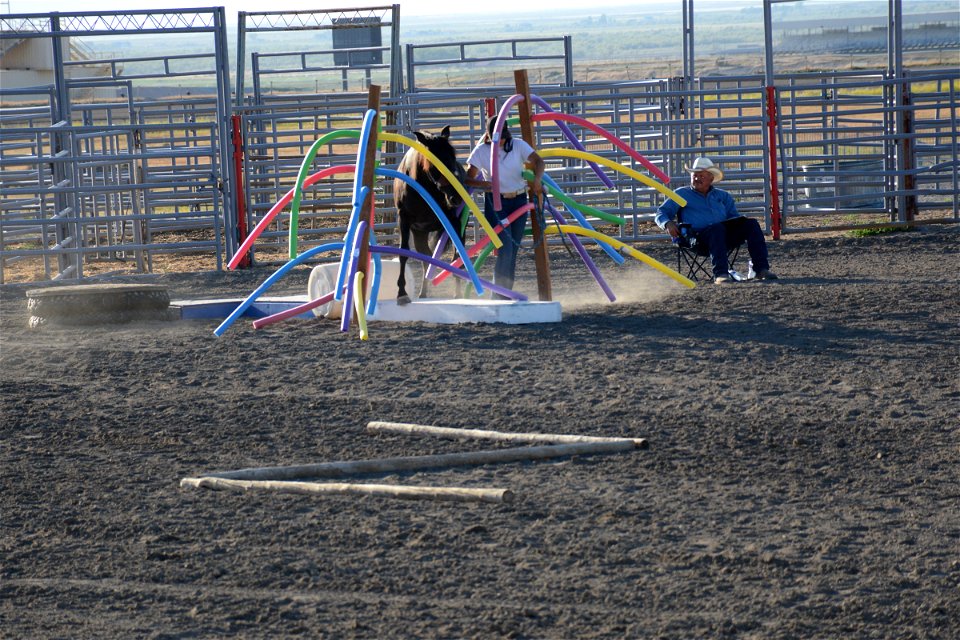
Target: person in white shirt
x=515, y=155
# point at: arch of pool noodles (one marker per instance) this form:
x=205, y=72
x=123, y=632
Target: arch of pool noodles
x=301, y=177
x=279, y=206
x=617, y=142
x=570, y=153
x=334, y=246
x=642, y=257
x=363, y=135
x=312, y=179
x=482, y=245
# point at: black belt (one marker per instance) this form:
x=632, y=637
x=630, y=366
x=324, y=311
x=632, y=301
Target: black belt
x=512, y=194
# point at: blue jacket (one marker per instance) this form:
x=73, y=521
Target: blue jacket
x=701, y=210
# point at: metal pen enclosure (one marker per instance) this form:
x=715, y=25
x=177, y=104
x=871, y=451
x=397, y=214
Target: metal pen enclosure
x=107, y=178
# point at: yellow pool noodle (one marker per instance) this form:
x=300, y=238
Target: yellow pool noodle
x=358, y=304
x=616, y=244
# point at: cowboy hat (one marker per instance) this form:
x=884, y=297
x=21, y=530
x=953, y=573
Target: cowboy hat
x=705, y=164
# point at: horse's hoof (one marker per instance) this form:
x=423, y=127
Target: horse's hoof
x=402, y=300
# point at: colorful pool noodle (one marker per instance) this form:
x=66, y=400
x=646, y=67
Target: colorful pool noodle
x=354, y=262
x=459, y=188
x=495, y=151
x=569, y=153
x=642, y=257
x=278, y=207
x=301, y=177
x=269, y=282
x=454, y=237
x=296, y=193
x=375, y=282
x=358, y=303
x=442, y=240
x=293, y=312
x=482, y=243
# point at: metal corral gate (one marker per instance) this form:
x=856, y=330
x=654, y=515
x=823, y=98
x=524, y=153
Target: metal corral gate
x=103, y=179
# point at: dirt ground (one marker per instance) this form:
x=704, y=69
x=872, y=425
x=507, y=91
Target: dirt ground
x=801, y=481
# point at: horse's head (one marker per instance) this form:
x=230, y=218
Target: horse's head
x=440, y=147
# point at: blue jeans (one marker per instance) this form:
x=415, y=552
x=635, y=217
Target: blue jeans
x=504, y=271
x=722, y=236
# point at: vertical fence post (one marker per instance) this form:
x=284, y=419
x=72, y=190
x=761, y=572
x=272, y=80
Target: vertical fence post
x=238, y=187
x=772, y=147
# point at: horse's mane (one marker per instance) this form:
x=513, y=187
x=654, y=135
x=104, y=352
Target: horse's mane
x=414, y=164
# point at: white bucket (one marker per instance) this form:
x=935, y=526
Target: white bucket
x=323, y=280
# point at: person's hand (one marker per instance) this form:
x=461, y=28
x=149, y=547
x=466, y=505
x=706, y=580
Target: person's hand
x=537, y=186
x=673, y=229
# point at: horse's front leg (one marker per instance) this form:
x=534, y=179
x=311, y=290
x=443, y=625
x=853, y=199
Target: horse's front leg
x=421, y=241
x=402, y=297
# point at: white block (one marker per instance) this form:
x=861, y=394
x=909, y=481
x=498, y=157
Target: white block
x=323, y=280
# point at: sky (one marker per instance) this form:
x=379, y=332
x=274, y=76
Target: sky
x=407, y=7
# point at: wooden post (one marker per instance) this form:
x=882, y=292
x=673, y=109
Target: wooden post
x=455, y=494
x=376, y=426
x=373, y=102
x=541, y=256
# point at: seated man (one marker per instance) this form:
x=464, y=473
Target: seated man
x=713, y=218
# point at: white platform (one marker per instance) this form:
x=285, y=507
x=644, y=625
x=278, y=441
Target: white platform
x=436, y=311
x=447, y=311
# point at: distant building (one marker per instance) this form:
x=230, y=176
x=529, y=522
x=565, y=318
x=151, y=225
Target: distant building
x=28, y=62
x=854, y=35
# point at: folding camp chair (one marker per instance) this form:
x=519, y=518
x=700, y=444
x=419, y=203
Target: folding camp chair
x=693, y=258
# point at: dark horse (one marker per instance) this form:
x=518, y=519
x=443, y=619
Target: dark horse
x=416, y=216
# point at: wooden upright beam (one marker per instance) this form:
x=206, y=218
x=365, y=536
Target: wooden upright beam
x=541, y=257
